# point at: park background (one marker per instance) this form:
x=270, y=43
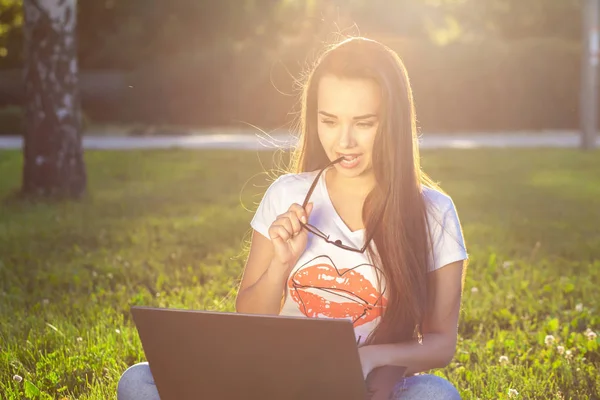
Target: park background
x=169, y=227
x=474, y=65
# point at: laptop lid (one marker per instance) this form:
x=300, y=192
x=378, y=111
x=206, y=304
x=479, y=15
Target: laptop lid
x=217, y=355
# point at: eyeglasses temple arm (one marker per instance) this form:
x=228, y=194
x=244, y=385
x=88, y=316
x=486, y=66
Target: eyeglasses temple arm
x=312, y=187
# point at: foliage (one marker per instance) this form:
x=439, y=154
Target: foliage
x=477, y=86
x=493, y=85
x=166, y=228
x=517, y=19
x=11, y=34
x=127, y=34
x=475, y=64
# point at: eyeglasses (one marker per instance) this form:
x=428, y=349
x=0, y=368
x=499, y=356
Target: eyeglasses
x=314, y=230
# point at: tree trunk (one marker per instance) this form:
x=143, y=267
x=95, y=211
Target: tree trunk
x=53, y=165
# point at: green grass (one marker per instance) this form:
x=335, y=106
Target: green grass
x=168, y=228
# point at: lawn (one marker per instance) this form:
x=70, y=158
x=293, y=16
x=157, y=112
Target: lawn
x=169, y=228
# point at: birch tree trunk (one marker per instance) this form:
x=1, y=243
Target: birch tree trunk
x=53, y=165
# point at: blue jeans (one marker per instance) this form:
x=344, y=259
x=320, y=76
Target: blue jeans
x=137, y=383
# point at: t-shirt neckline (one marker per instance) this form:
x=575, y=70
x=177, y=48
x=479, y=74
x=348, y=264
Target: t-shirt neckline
x=336, y=217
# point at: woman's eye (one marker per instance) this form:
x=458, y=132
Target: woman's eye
x=365, y=124
x=327, y=122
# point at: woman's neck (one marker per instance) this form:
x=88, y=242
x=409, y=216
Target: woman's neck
x=359, y=186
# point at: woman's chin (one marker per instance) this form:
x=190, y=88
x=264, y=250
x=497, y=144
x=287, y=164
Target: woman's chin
x=352, y=172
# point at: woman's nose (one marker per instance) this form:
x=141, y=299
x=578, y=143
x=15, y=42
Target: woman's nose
x=346, y=137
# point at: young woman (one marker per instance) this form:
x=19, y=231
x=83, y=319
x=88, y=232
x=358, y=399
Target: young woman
x=357, y=230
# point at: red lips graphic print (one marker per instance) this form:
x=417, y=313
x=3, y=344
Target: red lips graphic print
x=321, y=289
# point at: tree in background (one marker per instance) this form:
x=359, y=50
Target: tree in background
x=53, y=154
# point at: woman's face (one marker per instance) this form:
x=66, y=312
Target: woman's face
x=348, y=117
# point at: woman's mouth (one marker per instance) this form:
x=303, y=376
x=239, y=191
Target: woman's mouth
x=350, y=160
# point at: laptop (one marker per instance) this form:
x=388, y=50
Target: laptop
x=219, y=355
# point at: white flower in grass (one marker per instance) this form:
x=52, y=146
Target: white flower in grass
x=512, y=393
x=507, y=264
x=117, y=330
x=549, y=340
x=591, y=335
x=80, y=339
x=560, y=349
x=474, y=290
x=503, y=360
x=17, y=378
x=568, y=354
x=579, y=307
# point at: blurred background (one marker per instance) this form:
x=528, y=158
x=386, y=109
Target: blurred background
x=84, y=235
x=475, y=65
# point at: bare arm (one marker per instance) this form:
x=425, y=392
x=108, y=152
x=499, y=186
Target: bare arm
x=440, y=329
x=270, y=262
x=262, y=286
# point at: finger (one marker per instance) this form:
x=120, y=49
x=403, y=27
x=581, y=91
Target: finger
x=299, y=212
x=295, y=207
x=280, y=232
x=287, y=224
x=309, y=208
x=294, y=219
x=277, y=231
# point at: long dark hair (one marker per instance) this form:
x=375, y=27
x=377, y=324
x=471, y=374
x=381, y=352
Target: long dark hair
x=402, y=241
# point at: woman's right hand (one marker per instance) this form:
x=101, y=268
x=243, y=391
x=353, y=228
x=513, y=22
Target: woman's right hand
x=288, y=238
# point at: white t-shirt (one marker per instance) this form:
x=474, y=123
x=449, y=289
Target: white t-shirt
x=330, y=282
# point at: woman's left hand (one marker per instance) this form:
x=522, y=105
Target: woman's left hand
x=368, y=359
